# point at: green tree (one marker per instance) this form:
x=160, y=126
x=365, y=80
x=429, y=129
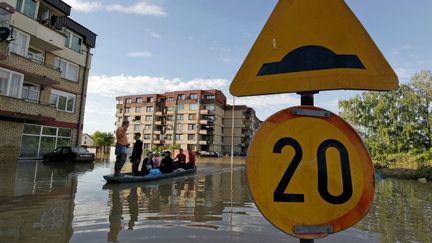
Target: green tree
x=393, y=122
x=103, y=139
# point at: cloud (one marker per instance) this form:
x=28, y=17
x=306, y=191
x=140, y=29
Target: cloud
x=85, y=6
x=112, y=86
x=155, y=35
x=139, y=54
x=402, y=73
x=142, y=7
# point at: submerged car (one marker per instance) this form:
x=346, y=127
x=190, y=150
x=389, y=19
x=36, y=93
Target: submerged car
x=69, y=154
x=209, y=154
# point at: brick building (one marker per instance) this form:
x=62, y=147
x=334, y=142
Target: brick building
x=194, y=119
x=245, y=125
x=44, y=66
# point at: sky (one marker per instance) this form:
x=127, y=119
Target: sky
x=155, y=46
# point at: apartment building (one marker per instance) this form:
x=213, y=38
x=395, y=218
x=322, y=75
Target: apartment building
x=194, y=119
x=245, y=125
x=45, y=58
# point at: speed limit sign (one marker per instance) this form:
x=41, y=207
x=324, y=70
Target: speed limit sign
x=309, y=172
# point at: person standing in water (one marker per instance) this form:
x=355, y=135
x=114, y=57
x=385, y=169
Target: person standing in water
x=121, y=147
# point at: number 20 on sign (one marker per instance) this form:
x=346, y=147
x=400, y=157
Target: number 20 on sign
x=309, y=172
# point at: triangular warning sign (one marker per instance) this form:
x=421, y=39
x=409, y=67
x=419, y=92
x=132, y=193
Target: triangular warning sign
x=312, y=45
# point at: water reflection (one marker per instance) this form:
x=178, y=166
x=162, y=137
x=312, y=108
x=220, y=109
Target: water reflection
x=38, y=202
x=402, y=211
x=72, y=203
x=187, y=201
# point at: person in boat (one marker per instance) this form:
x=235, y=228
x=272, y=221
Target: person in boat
x=180, y=159
x=166, y=165
x=121, y=148
x=155, y=171
x=191, y=163
x=147, y=164
x=135, y=158
x=156, y=161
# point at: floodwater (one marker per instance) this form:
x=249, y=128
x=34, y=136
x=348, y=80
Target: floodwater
x=72, y=203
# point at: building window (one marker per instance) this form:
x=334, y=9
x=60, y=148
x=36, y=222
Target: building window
x=126, y=118
x=138, y=109
x=30, y=92
x=137, y=128
x=179, y=127
x=20, y=44
x=181, y=97
x=191, y=117
x=193, y=107
x=149, y=109
x=170, y=99
x=180, y=107
x=37, y=140
x=148, y=118
x=191, y=136
x=209, y=97
x=180, y=117
x=138, y=100
x=148, y=127
x=73, y=41
x=194, y=96
x=128, y=100
x=127, y=110
x=69, y=71
x=171, y=108
x=11, y=83
x=137, y=118
x=62, y=101
x=179, y=137
x=191, y=127
x=150, y=99
x=168, y=137
x=210, y=107
x=27, y=7
x=146, y=146
x=147, y=136
x=36, y=56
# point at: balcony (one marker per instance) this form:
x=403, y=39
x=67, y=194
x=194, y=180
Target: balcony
x=204, y=142
x=17, y=108
x=170, y=112
x=169, y=132
x=159, y=113
x=157, y=132
x=170, y=122
x=203, y=132
x=204, y=122
x=40, y=74
x=43, y=37
x=206, y=112
x=158, y=123
x=157, y=142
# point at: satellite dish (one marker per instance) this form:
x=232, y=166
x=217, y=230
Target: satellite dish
x=4, y=33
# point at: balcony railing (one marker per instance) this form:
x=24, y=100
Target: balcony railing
x=203, y=132
x=31, y=110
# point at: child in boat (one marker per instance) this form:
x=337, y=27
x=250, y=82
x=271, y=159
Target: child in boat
x=155, y=166
x=156, y=161
x=135, y=158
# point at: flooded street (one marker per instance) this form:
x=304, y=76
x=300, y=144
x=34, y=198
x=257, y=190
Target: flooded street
x=58, y=203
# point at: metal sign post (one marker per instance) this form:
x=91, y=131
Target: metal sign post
x=307, y=99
